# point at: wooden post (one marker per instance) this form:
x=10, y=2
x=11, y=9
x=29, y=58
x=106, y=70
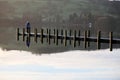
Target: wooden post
x=65, y=38
x=23, y=34
x=49, y=32
x=110, y=42
x=42, y=36
x=79, y=38
x=35, y=35
x=88, y=35
x=85, y=38
x=74, y=39
x=56, y=37
x=17, y=34
x=70, y=33
x=98, y=39
x=62, y=35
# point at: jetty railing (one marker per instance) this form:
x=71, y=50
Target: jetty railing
x=65, y=36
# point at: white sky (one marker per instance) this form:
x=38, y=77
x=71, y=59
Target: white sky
x=72, y=65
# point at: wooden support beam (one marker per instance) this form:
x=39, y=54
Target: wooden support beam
x=23, y=34
x=111, y=39
x=88, y=35
x=56, y=37
x=79, y=38
x=70, y=34
x=98, y=39
x=74, y=39
x=85, y=39
x=65, y=38
x=62, y=35
x=35, y=35
x=49, y=32
x=17, y=34
x=42, y=36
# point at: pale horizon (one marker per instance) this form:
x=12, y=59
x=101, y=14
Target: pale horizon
x=70, y=65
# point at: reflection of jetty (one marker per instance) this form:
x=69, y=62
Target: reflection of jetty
x=64, y=37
